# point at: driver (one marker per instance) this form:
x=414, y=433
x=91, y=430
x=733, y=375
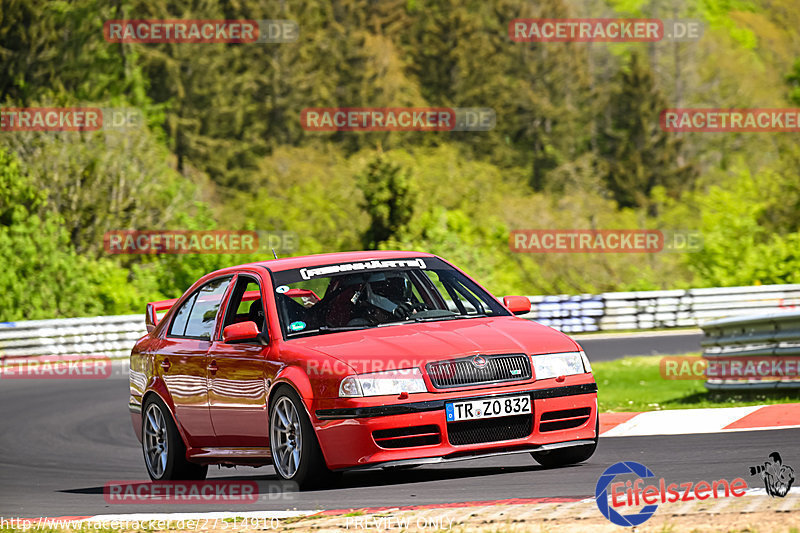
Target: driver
x=376, y=297
x=391, y=292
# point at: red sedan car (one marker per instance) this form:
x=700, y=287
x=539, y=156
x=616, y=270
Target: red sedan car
x=352, y=360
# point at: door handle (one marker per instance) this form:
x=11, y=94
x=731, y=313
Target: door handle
x=165, y=364
x=212, y=367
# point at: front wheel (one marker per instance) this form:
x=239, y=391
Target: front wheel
x=163, y=448
x=296, y=455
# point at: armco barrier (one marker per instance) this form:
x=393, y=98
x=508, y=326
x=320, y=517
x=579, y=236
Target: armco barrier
x=644, y=310
x=770, y=336
x=111, y=336
x=114, y=335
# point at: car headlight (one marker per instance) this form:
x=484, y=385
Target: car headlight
x=551, y=365
x=586, y=365
x=382, y=383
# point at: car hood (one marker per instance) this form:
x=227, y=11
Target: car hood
x=413, y=345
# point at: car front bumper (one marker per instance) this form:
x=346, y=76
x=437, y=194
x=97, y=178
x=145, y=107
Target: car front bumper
x=346, y=427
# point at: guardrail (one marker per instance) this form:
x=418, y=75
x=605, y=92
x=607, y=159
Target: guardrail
x=114, y=335
x=765, y=349
x=644, y=310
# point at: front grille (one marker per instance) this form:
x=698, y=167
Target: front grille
x=407, y=437
x=566, y=419
x=461, y=372
x=489, y=429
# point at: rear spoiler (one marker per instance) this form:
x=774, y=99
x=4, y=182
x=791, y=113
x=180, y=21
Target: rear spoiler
x=152, y=310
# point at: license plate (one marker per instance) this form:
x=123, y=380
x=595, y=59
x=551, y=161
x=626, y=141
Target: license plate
x=488, y=408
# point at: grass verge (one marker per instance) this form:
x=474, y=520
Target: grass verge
x=635, y=384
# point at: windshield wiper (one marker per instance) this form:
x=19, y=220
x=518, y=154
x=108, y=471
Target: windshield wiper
x=433, y=318
x=446, y=317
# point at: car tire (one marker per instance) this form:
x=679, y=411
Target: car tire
x=163, y=448
x=570, y=455
x=296, y=454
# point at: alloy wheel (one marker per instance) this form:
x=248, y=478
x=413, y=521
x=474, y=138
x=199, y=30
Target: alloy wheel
x=286, y=438
x=155, y=441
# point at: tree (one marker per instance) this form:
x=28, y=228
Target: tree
x=389, y=199
x=42, y=276
x=101, y=181
x=51, y=49
x=637, y=154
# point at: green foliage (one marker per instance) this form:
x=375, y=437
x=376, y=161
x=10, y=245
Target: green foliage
x=103, y=181
x=718, y=14
x=56, y=48
x=738, y=247
x=793, y=79
x=310, y=192
x=18, y=199
x=577, y=144
x=472, y=246
x=637, y=154
x=42, y=275
x=389, y=200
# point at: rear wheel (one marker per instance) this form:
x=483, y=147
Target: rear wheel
x=296, y=455
x=569, y=455
x=163, y=448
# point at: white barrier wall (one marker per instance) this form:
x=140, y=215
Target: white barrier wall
x=643, y=310
x=112, y=336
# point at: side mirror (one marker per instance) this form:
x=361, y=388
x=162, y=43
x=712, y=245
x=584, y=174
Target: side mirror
x=519, y=305
x=242, y=332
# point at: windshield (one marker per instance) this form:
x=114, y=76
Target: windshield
x=367, y=294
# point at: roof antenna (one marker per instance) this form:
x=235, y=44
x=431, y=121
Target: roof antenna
x=274, y=254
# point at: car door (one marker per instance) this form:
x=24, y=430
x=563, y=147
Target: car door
x=182, y=360
x=239, y=373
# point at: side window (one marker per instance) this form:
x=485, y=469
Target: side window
x=202, y=312
x=468, y=299
x=459, y=298
x=178, y=327
x=443, y=292
x=245, y=304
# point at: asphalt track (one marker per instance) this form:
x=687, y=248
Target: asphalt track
x=63, y=441
x=610, y=347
